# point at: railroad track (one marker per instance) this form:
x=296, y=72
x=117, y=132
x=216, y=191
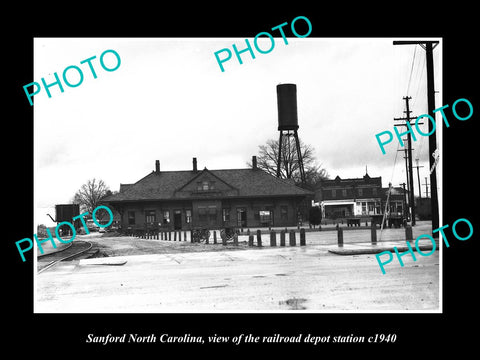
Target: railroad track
x=77, y=248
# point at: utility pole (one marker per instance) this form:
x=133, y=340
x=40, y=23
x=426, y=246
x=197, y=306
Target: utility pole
x=426, y=186
x=405, y=156
x=418, y=177
x=410, y=167
x=405, y=212
x=428, y=46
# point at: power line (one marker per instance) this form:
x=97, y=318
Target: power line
x=420, y=85
x=395, y=162
x=411, y=70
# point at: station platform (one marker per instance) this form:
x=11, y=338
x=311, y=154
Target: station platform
x=425, y=246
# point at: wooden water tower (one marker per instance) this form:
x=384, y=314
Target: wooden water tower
x=288, y=126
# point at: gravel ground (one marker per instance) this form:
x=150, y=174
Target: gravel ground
x=128, y=245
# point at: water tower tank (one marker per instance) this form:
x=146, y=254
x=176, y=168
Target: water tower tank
x=287, y=107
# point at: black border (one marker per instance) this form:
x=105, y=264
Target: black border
x=67, y=332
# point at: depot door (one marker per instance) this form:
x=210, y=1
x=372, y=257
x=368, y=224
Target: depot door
x=177, y=219
x=242, y=217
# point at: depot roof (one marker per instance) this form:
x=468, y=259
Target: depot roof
x=227, y=183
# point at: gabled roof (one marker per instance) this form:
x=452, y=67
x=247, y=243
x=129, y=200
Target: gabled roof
x=167, y=185
x=200, y=175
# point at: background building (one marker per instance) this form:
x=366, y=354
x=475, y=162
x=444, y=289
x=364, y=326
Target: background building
x=342, y=198
x=359, y=198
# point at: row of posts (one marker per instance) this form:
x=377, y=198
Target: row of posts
x=373, y=234
x=273, y=238
x=164, y=235
x=167, y=235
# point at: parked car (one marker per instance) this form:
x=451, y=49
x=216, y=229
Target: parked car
x=91, y=226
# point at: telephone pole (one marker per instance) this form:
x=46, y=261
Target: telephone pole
x=428, y=46
x=405, y=211
x=418, y=177
x=410, y=167
x=405, y=156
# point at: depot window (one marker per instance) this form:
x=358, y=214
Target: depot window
x=205, y=185
x=150, y=216
x=131, y=218
x=226, y=215
x=166, y=217
x=212, y=213
x=265, y=216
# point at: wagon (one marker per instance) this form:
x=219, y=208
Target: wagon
x=200, y=235
x=228, y=233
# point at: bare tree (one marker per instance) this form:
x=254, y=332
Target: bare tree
x=90, y=194
x=267, y=160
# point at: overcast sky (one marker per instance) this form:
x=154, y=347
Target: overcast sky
x=170, y=101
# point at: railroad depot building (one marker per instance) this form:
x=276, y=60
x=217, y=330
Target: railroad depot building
x=358, y=197
x=206, y=198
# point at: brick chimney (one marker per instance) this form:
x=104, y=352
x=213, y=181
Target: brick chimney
x=195, y=164
x=157, y=166
x=254, y=162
